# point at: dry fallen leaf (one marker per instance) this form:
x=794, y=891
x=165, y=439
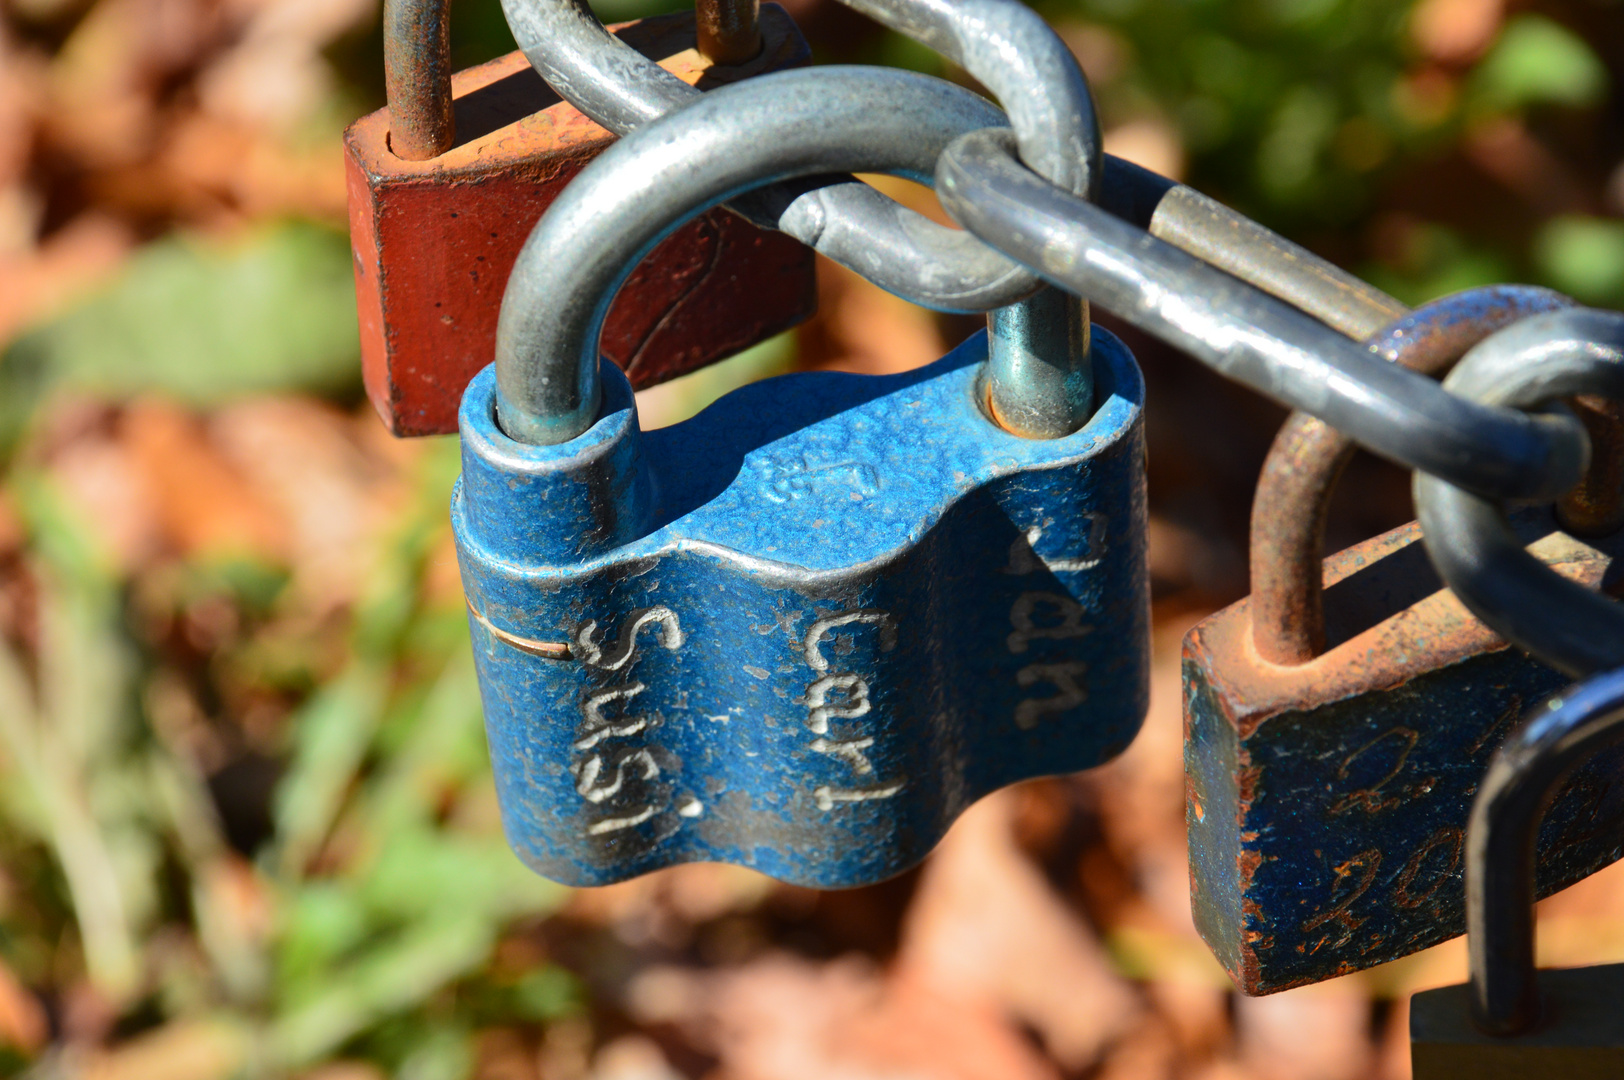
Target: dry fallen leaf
x=986, y=930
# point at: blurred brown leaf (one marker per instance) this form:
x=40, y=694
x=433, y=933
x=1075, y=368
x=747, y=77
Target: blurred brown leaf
x=986, y=930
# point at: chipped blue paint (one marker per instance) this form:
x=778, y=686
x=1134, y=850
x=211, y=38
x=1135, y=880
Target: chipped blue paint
x=805, y=629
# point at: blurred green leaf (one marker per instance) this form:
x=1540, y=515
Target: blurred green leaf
x=205, y=320
x=1537, y=61
x=1583, y=256
x=440, y=875
x=331, y=735
x=397, y=974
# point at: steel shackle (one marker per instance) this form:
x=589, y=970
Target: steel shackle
x=1308, y=456
x=819, y=120
x=1469, y=539
x=1523, y=778
x=417, y=65
x=898, y=249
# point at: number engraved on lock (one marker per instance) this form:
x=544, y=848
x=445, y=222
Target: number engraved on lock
x=607, y=768
x=782, y=481
x=1397, y=743
x=1362, y=867
x=844, y=695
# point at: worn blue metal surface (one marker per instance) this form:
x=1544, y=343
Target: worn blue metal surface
x=1327, y=802
x=805, y=629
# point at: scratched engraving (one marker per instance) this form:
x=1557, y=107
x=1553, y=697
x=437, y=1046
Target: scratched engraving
x=823, y=627
x=848, y=750
x=591, y=770
x=1368, y=862
x=596, y=779
x=1373, y=798
x=820, y=711
x=1024, y=558
x=1063, y=677
x=1452, y=838
x=852, y=702
x=782, y=481
x=614, y=656
x=609, y=825
x=1067, y=613
x=828, y=798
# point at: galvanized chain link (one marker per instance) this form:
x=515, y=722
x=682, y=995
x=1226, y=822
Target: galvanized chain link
x=1162, y=257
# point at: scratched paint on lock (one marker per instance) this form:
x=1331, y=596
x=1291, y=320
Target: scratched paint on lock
x=1327, y=804
x=808, y=627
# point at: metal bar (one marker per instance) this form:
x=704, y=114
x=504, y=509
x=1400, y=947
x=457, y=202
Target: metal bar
x=1293, y=494
x=417, y=77
x=729, y=31
x=1525, y=774
x=776, y=127
x=1468, y=536
x=1251, y=337
x=901, y=251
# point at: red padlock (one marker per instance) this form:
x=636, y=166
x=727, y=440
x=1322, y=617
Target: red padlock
x=435, y=238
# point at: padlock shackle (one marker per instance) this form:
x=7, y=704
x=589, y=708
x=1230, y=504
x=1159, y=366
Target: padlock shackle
x=417, y=77
x=1469, y=538
x=1293, y=497
x=417, y=64
x=1502, y=837
x=775, y=127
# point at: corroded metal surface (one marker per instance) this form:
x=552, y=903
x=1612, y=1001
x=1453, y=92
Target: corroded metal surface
x=434, y=240
x=1327, y=801
x=1294, y=490
x=805, y=629
x=417, y=77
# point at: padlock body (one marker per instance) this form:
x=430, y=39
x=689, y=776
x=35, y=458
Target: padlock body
x=1580, y=1034
x=1327, y=803
x=806, y=628
x=434, y=241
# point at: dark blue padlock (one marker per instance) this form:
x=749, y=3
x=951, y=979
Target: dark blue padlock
x=805, y=629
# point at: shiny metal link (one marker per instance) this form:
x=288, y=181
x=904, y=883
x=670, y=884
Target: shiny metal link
x=776, y=127
x=851, y=223
x=1039, y=382
x=1249, y=336
x=1470, y=539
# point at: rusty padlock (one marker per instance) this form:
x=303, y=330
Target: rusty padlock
x=446, y=183
x=1331, y=752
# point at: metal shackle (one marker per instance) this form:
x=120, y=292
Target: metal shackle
x=775, y=127
x=1523, y=777
x=1248, y=335
x=898, y=249
x=1469, y=537
x=1308, y=456
x=417, y=65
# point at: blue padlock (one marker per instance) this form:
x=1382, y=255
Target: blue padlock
x=805, y=629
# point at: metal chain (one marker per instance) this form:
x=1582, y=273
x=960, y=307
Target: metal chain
x=1159, y=255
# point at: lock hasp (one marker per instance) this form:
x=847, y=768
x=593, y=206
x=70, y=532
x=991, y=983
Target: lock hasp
x=435, y=240
x=804, y=630
x=1327, y=802
x=1580, y=1035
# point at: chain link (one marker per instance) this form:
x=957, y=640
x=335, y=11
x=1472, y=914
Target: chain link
x=1159, y=255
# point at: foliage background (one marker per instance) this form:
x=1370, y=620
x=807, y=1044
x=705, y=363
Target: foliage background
x=246, y=821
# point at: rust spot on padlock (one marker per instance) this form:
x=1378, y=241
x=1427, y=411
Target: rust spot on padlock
x=1332, y=747
x=434, y=240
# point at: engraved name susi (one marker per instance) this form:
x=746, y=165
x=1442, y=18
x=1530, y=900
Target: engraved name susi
x=1050, y=616
x=843, y=695
x=601, y=767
